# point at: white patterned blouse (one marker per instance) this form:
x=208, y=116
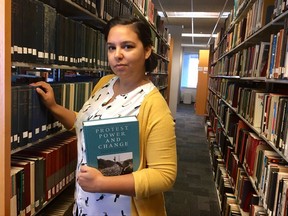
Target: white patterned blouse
x=96, y=107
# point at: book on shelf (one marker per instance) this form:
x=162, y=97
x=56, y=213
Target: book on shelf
x=270, y=131
x=271, y=58
x=265, y=157
x=257, y=210
x=241, y=125
x=258, y=158
x=283, y=130
x=229, y=198
x=241, y=147
x=17, y=190
x=27, y=192
x=279, y=47
x=30, y=119
x=262, y=60
x=265, y=114
x=281, y=205
x=277, y=186
x=264, y=16
x=112, y=146
x=272, y=177
x=22, y=162
x=257, y=107
x=37, y=164
x=252, y=143
x=54, y=163
x=23, y=107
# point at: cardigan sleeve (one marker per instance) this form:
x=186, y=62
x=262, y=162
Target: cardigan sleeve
x=158, y=166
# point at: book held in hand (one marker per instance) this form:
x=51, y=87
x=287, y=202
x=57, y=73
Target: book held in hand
x=112, y=146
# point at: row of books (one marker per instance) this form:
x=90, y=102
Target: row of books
x=48, y=37
x=41, y=172
x=111, y=8
x=254, y=16
x=249, y=62
x=148, y=9
x=162, y=67
x=239, y=193
x=89, y=5
x=252, y=56
x=240, y=25
x=266, y=112
x=259, y=14
x=30, y=119
x=159, y=80
x=265, y=59
x=251, y=168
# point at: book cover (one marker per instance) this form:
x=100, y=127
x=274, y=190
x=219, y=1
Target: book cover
x=281, y=210
x=39, y=177
x=14, y=117
x=112, y=146
x=26, y=205
x=17, y=179
x=32, y=180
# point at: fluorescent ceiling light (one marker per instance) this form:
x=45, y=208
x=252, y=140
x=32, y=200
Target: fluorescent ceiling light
x=194, y=14
x=195, y=45
x=197, y=35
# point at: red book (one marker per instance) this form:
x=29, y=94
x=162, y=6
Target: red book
x=47, y=154
x=241, y=125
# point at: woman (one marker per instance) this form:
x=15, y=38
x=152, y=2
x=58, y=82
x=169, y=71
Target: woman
x=130, y=56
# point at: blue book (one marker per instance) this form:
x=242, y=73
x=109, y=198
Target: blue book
x=112, y=146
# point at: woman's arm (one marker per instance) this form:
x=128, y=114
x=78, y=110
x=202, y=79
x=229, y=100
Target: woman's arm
x=65, y=116
x=159, y=163
x=92, y=180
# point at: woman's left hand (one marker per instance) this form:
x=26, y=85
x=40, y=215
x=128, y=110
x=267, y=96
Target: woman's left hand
x=89, y=179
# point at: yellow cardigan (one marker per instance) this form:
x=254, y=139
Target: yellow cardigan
x=158, y=163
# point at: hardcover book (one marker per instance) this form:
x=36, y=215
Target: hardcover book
x=112, y=146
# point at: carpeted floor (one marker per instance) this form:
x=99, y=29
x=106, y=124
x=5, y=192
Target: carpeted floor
x=194, y=192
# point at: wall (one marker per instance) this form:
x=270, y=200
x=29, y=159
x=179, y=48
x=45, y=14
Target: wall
x=174, y=94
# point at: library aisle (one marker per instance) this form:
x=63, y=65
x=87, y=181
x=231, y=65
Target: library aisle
x=194, y=192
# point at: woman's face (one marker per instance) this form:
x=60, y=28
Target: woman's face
x=126, y=54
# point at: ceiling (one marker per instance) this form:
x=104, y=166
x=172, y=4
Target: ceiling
x=200, y=25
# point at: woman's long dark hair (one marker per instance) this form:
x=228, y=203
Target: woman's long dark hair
x=142, y=29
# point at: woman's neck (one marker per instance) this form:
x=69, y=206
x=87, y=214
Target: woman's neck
x=124, y=86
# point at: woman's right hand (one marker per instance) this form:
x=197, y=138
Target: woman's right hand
x=46, y=92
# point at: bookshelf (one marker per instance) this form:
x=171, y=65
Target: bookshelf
x=5, y=83
x=162, y=46
x=247, y=118
x=202, y=90
x=58, y=69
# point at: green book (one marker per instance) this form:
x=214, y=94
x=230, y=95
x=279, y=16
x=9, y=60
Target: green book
x=112, y=139
x=112, y=146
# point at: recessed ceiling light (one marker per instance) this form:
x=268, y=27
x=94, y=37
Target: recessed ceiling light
x=195, y=45
x=194, y=14
x=197, y=35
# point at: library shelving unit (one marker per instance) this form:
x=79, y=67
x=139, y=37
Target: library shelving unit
x=162, y=47
x=247, y=109
x=5, y=92
x=59, y=64
x=202, y=88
